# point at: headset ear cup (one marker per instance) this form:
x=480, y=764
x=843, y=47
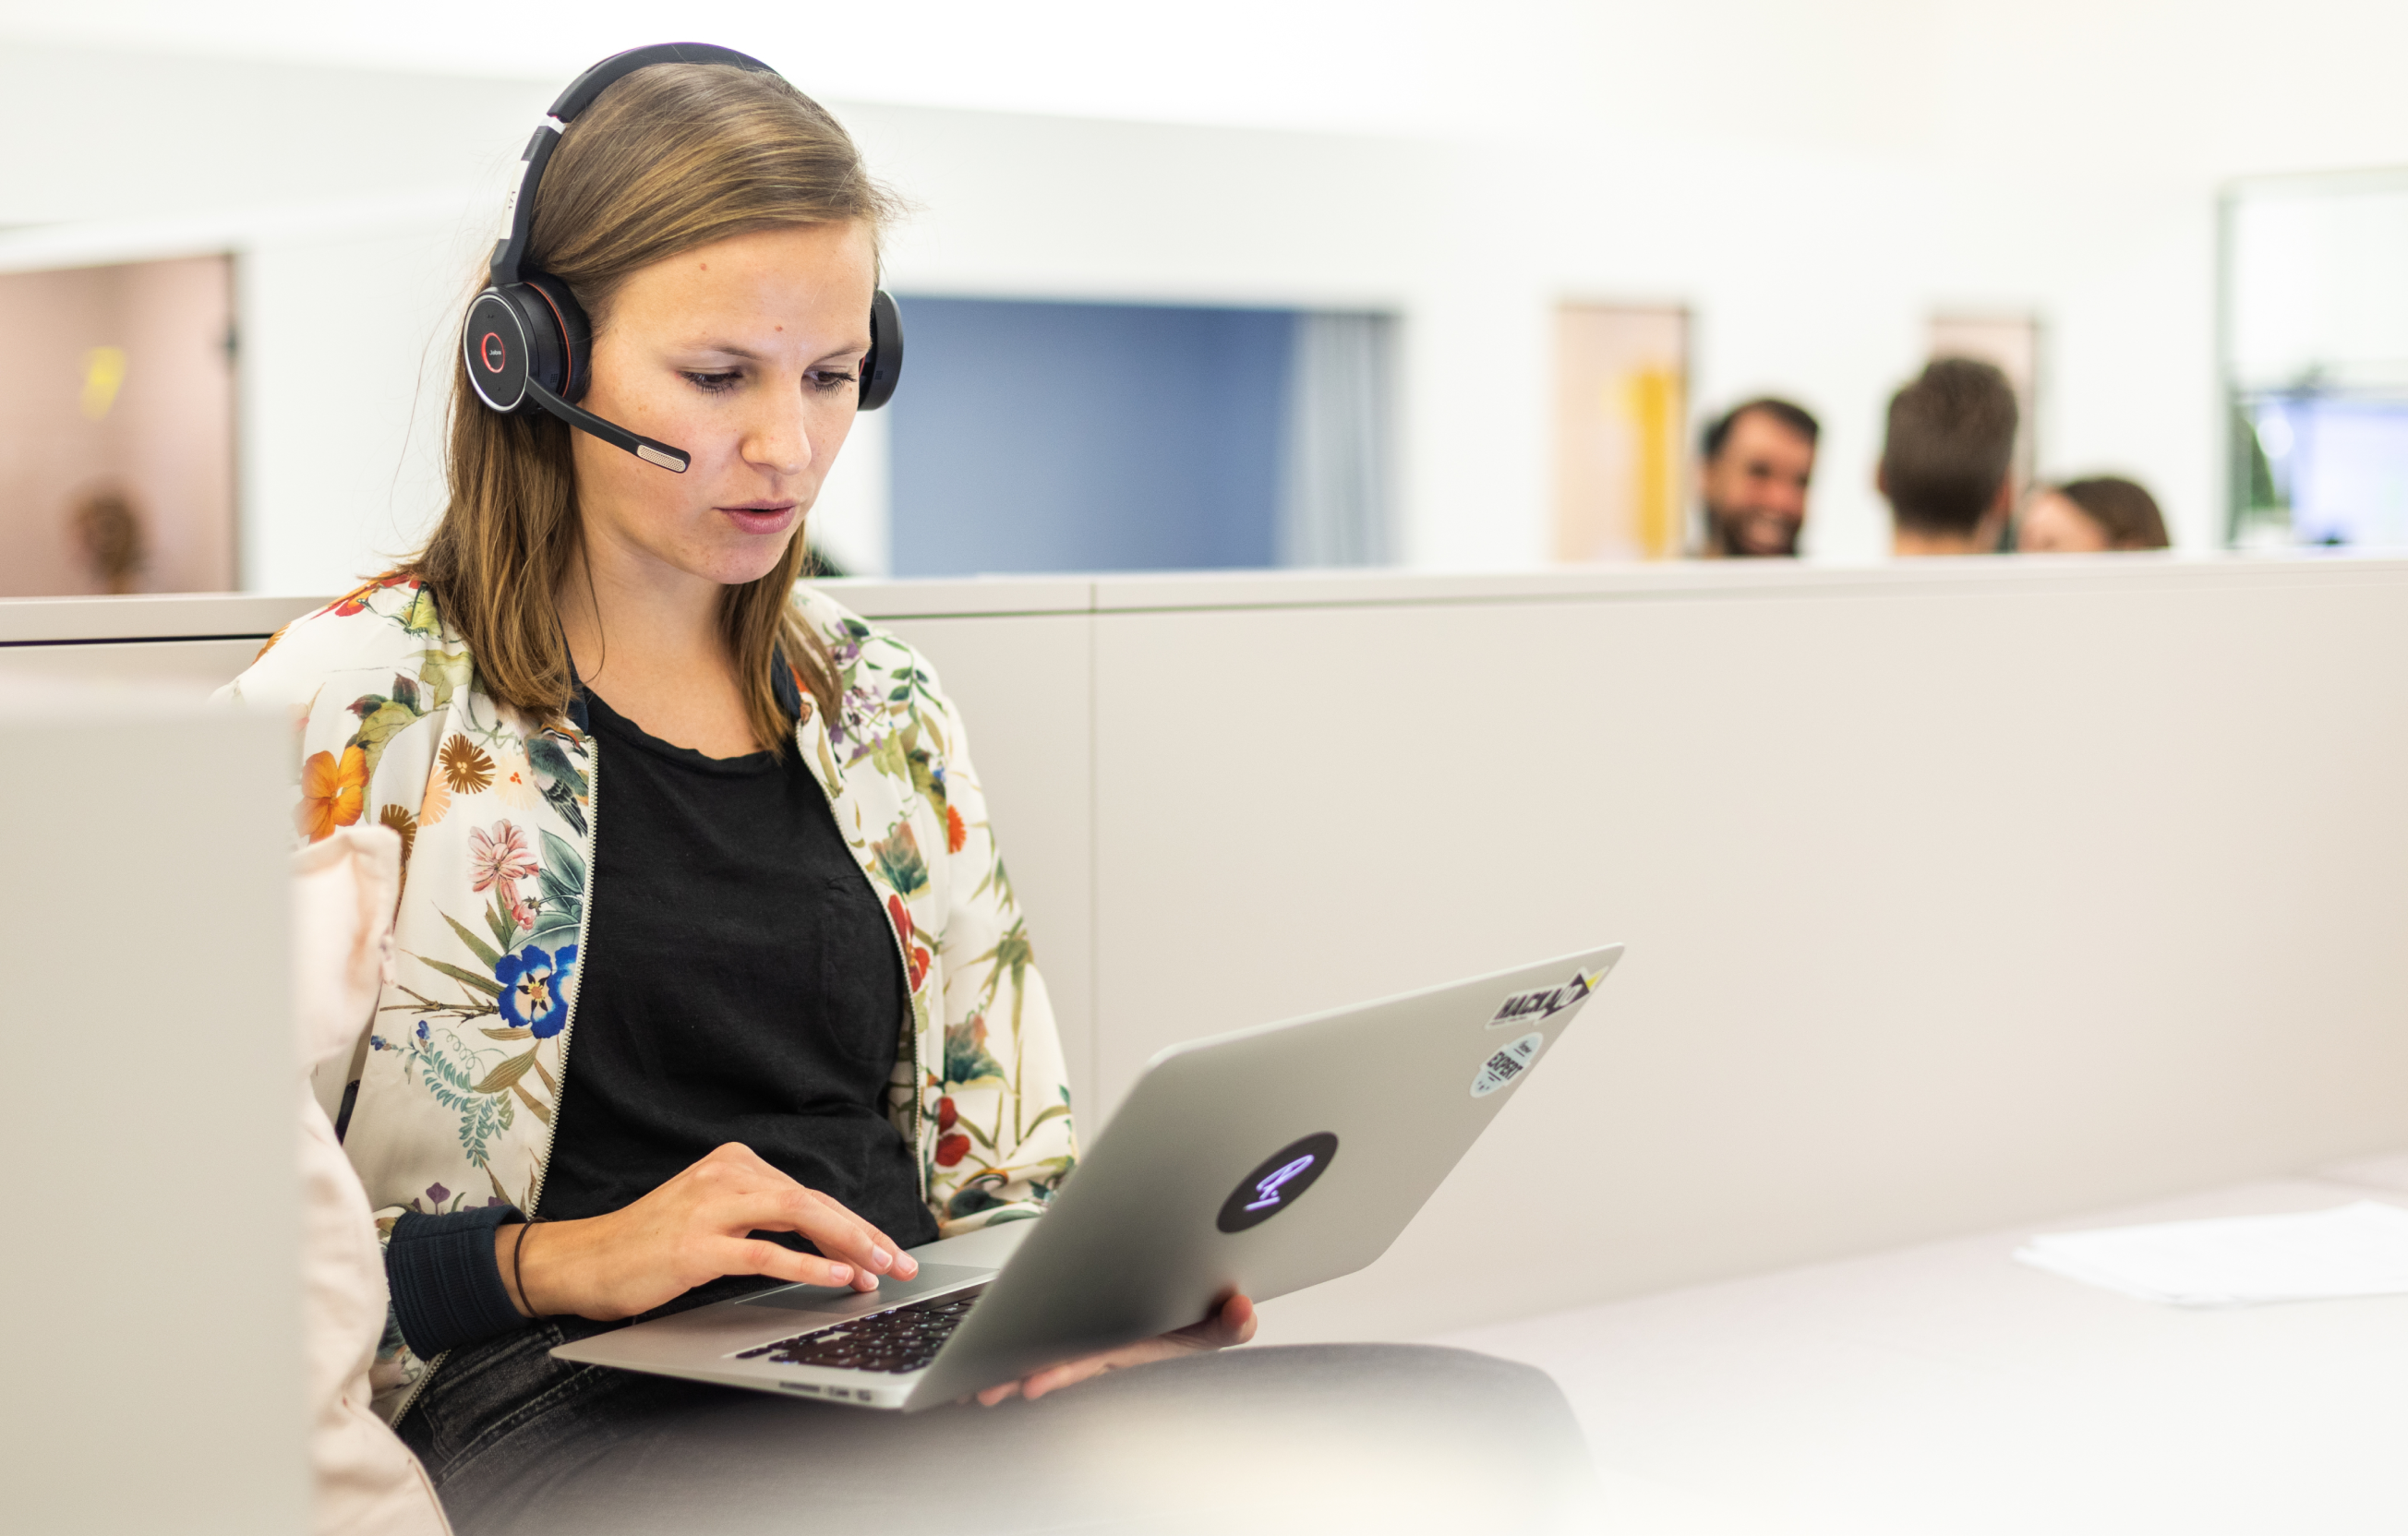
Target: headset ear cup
x=495, y=351
x=882, y=369
x=575, y=335
x=512, y=336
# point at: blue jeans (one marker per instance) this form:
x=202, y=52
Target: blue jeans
x=520, y=1442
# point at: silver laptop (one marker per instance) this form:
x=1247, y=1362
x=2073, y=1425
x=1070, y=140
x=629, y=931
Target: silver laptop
x=1262, y=1161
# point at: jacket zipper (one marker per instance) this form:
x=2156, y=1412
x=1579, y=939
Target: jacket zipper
x=909, y=1021
x=551, y=1127
x=585, y=928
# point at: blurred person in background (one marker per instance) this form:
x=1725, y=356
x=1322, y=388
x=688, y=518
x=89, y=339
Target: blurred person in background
x=108, y=531
x=1947, y=463
x=1760, y=458
x=2087, y=516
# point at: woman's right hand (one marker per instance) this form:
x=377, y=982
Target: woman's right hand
x=696, y=1228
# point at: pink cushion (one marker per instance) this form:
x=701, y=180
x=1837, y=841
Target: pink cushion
x=365, y=1480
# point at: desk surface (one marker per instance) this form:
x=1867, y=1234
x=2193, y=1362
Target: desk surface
x=1945, y=1388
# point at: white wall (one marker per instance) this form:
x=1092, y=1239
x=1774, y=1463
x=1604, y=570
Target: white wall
x=2314, y=284
x=1811, y=181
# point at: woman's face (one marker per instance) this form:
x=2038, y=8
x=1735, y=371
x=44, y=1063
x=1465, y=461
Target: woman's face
x=744, y=354
x=2054, y=525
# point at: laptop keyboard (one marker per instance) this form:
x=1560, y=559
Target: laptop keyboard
x=897, y=1340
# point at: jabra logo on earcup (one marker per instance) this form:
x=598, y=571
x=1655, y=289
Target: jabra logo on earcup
x=497, y=351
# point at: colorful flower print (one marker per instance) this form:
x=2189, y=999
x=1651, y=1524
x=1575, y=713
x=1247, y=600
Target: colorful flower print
x=951, y=1149
x=383, y=716
x=437, y=803
x=403, y=823
x=915, y=953
x=356, y=600
x=946, y=1113
x=966, y=1058
x=465, y=767
x=860, y=712
x=514, y=781
x=500, y=857
x=955, y=833
x=334, y=792
x=976, y=1195
x=899, y=860
x=535, y=982
x=499, y=860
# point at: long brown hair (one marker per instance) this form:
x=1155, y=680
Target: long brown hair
x=673, y=157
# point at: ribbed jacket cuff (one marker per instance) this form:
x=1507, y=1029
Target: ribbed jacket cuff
x=447, y=1288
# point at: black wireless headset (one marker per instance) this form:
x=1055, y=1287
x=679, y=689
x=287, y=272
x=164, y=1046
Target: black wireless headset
x=526, y=338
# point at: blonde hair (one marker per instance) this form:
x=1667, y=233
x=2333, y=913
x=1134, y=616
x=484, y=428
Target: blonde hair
x=673, y=157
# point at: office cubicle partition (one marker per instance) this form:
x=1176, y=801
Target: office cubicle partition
x=1957, y=895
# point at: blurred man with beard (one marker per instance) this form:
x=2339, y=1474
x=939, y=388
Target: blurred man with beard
x=1760, y=458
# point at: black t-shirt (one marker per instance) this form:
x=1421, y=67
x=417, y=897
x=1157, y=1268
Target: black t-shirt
x=741, y=984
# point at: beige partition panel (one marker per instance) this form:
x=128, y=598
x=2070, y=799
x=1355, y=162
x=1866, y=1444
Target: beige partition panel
x=1953, y=898
x=150, y=1310
x=1958, y=894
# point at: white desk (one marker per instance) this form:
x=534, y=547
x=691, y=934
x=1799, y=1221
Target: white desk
x=1945, y=1388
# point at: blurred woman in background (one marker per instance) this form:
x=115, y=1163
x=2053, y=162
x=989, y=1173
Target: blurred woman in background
x=2087, y=515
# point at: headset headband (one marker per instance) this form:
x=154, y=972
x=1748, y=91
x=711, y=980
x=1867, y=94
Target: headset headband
x=524, y=339
x=509, y=251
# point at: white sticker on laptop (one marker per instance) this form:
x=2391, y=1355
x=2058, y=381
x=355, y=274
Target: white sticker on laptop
x=1545, y=1002
x=1507, y=1066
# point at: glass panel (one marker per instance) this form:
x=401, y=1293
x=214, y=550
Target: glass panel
x=1621, y=424
x=1052, y=436
x=117, y=430
x=2314, y=329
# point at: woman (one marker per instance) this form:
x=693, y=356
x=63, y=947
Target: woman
x=799, y=988
x=2087, y=515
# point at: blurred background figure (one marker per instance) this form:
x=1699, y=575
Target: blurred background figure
x=1759, y=459
x=109, y=538
x=2086, y=516
x=1947, y=463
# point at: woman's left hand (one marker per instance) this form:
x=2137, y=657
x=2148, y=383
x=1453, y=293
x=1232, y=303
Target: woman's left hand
x=1233, y=1323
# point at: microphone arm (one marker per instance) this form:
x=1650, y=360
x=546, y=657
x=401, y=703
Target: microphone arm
x=648, y=449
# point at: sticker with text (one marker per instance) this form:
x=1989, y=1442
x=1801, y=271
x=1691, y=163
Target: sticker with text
x=1546, y=1001
x=1508, y=1065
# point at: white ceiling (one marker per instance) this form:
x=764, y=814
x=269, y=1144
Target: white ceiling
x=2192, y=87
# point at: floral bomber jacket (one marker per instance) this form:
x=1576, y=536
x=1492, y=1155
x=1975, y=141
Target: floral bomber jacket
x=450, y=1093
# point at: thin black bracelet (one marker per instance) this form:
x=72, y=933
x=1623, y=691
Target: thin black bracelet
x=518, y=1273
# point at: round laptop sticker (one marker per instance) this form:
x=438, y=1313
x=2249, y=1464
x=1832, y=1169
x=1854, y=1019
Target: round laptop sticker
x=1508, y=1065
x=1274, y=1186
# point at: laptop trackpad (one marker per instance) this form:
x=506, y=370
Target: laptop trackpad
x=931, y=1279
